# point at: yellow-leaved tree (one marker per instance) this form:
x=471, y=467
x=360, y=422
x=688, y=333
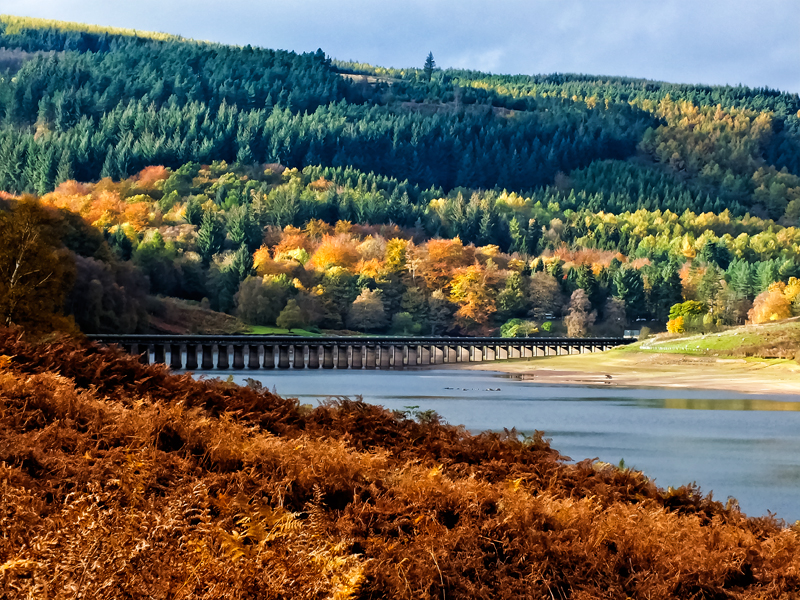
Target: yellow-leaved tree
x=771, y=305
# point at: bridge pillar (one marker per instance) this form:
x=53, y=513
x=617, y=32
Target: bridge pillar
x=206, y=357
x=413, y=356
x=327, y=357
x=341, y=357
x=283, y=357
x=515, y=352
x=238, y=357
x=253, y=360
x=371, y=357
x=269, y=357
x=425, y=355
x=502, y=352
x=398, y=357
x=191, y=357
x=478, y=353
x=299, y=352
x=176, y=356
x=449, y=354
x=313, y=356
x=223, y=361
x=356, y=357
x=385, y=359
x=438, y=355
x=159, y=354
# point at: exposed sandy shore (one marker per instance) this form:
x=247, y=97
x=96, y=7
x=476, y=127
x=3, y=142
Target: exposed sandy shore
x=646, y=369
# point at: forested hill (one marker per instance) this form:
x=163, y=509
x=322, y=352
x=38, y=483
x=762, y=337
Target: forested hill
x=83, y=103
x=253, y=178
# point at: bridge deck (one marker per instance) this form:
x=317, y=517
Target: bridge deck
x=361, y=352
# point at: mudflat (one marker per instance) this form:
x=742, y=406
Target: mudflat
x=633, y=368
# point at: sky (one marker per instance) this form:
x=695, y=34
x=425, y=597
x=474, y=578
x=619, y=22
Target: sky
x=752, y=42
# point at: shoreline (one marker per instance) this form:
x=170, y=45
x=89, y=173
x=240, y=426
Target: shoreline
x=634, y=369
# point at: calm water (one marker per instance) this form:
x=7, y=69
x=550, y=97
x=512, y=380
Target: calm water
x=743, y=446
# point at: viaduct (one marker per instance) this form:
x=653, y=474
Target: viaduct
x=204, y=352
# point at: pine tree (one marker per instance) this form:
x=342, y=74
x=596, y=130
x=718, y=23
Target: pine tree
x=210, y=236
x=242, y=263
x=430, y=65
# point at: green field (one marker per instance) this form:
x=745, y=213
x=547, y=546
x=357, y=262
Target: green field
x=773, y=340
x=264, y=330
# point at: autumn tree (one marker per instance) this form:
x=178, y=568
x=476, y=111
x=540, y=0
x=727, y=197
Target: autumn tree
x=35, y=270
x=771, y=305
x=367, y=312
x=335, y=251
x=580, y=316
x=440, y=313
x=473, y=291
x=440, y=259
x=396, y=255
x=544, y=294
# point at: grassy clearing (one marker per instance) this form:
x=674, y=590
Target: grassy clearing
x=264, y=330
x=774, y=340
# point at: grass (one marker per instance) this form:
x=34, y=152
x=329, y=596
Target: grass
x=772, y=340
x=265, y=330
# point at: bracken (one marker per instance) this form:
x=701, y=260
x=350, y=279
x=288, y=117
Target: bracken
x=119, y=480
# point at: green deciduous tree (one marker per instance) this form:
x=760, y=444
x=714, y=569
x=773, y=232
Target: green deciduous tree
x=291, y=316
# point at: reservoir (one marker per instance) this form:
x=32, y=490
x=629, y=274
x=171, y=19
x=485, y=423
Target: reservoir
x=744, y=446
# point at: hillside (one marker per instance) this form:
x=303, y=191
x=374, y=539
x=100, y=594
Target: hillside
x=123, y=480
x=270, y=185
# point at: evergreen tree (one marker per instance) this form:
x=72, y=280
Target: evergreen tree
x=210, y=236
x=430, y=65
x=630, y=289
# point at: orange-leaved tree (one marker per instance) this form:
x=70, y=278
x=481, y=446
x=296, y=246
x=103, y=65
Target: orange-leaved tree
x=440, y=259
x=771, y=305
x=473, y=290
x=335, y=251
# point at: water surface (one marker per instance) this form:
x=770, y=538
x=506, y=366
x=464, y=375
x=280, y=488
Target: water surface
x=745, y=446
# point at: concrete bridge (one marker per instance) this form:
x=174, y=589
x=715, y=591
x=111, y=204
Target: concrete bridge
x=207, y=352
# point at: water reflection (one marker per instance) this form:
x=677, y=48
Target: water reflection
x=739, y=404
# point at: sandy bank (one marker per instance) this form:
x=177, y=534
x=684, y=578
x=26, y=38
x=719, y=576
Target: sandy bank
x=626, y=368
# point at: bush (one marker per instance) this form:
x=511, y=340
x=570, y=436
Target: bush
x=291, y=316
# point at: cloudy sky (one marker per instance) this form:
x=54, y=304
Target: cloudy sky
x=753, y=42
